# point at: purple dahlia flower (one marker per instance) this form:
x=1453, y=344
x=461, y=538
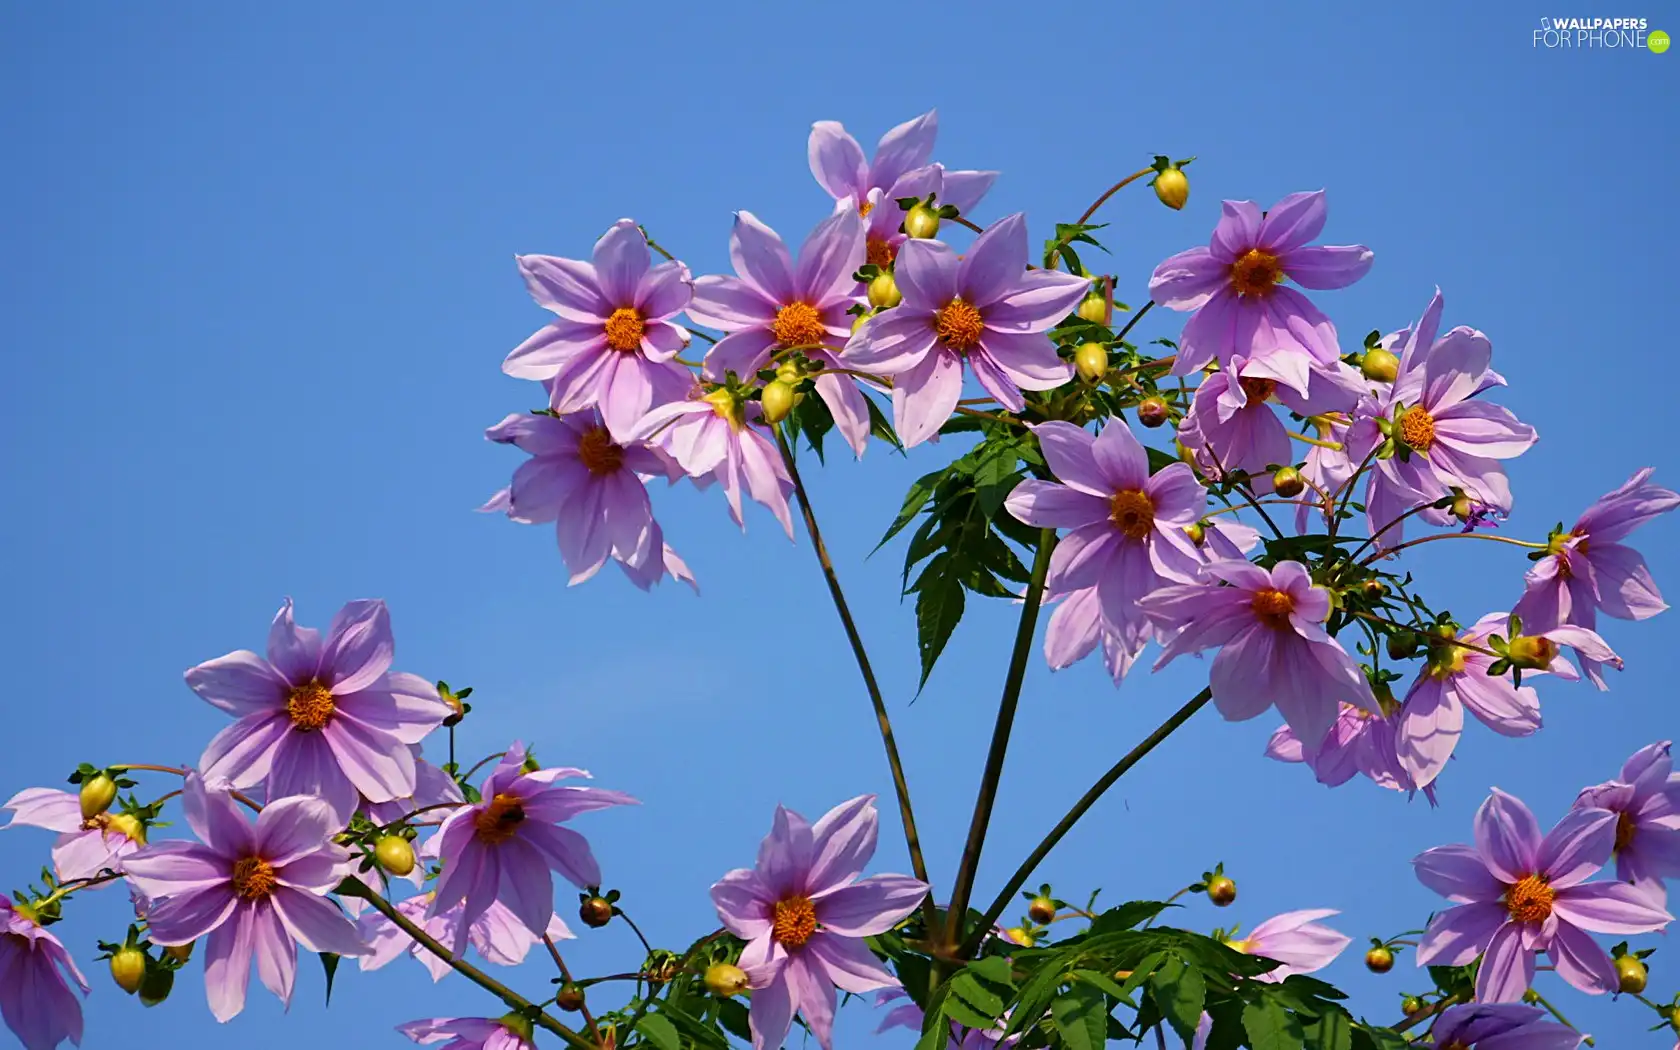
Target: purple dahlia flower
x=1501, y=1026
x=1297, y=940
x=256, y=891
x=719, y=436
x=613, y=343
x=1358, y=743
x=498, y=935
x=1235, y=289
x=1646, y=800
x=909, y=1015
x=1232, y=426
x=1518, y=893
x=961, y=190
x=36, y=1000
x=986, y=309
x=320, y=717
x=900, y=167
x=804, y=913
x=85, y=846
x=511, y=1032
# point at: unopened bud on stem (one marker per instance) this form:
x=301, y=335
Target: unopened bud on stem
x=1173, y=188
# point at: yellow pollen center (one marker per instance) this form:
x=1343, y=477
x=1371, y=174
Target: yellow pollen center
x=865, y=207
x=880, y=253
x=794, y=922
x=1417, y=428
x=1132, y=512
x=1530, y=900
x=1273, y=606
x=97, y=822
x=959, y=325
x=798, y=324
x=1533, y=652
x=253, y=878
x=497, y=822
x=624, y=330
x=1257, y=390
x=1256, y=273
x=1625, y=828
x=598, y=452
x=1238, y=946
x=310, y=706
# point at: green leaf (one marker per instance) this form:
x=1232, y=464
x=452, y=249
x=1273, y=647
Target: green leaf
x=1081, y=1016
x=880, y=426
x=1180, y=992
x=732, y=1014
x=660, y=1032
x=1333, y=1031
x=967, y=987
x=921, y=490
x=1104, y=982
x=965, y=1014
x=993, y=968
x=939, y=605
x=1366, y=1037
x=329, y=963
x=1270, y=1028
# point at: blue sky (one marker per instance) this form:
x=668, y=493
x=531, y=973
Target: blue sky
x=259, y=281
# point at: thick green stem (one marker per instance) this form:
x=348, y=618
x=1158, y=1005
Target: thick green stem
x=514, y=1001
x=1086, y=801
x=963, y=887
x=907, y=815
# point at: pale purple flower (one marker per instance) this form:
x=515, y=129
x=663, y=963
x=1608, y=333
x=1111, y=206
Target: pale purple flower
x=318, y=717
x=612, y=343
x=1359, y=742
x=719, y=436
x=1233, y=427
x=804, y=913
x=909, y=1015
x=987, y=310
x=470, y=1033
x=1589, y=569
x=1127, y=526
x=1272, y=644
x=1646, y=800
x=85, y=847
x=257, y=891
x=774, y=305
x=1325, y=471
x=1447, y=442
x=1518, y=893
x=961, y=190
x=1234, y=285
x=1501, y=1026
x=503, y=848
x=594, y=489
x=36, y=1000
x=1297, y=940
x=838, y=163
x=497, y=935
x=432, y=787
x=1076, y=626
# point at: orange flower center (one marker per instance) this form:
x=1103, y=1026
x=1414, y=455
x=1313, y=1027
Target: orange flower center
x=1273, y=606
x=1256, y=389
x=880, y=253
x=1417, y=428
x=865, y=207
x=798, y=324
x=253, y=878
x=310, y=706
x=794, y=921
x=1456, y=1045
x=624, y=330
x=1530, y=900
x=497, y=822
x=598, y=452
x=959, y=325
x=1256, y=273
x=1625, y=828
x=1132, y=512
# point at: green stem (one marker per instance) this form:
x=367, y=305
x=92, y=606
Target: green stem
x=1168, y=361
x=1086, y=801
x=566, y=975
x=907, y=815
x=1111, y=191
x=1379, y=555
x=1543, y=1001
x=963, y=887
x=515, y=1001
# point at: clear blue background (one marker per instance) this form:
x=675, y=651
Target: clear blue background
x=258, y=282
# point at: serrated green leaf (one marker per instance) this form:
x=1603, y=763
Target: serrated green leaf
x=993, y=968
x=967, y=1015
x=939, y=606
x=329, y=963
x=1105, y=983
x=967, y=987
x=1270, y=1028
x=1081, y=1016
x=1367, y=1037
x=733, y=1015
x=921, y=490
x=1332, y=1031
x=659, y=1031
x=1180, y=993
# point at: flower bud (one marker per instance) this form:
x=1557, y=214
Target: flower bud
x=129, y=825
x=155, y=986
x=1630, y=974
x=1091, y=361
x=1379, y=960
x=1411, y=1006
x=596, y=912
x=1221, y=890
x=1379, y=365
x=1402, y=645
x=1172, y=187
x=921, y=221
x=857, y=322
x=1197, y=533
x=179, y=952
x=1041, y=910
x=1020, y=936
x=1530, y=653
x=569, y=998
x=128, y=968
x=1374, y=589
x=1093, y=308
x=1153, y=411
x=457, y=710
x=1674, y=1018
x=1287, y=482
x=97, y=795
x=394, y=854
x=726, y=980
x=1463, y=507
x=776, y=400
x=883, y=291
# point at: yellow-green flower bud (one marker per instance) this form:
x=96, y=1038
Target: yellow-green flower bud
x=883, y=291
x=1173, y=188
